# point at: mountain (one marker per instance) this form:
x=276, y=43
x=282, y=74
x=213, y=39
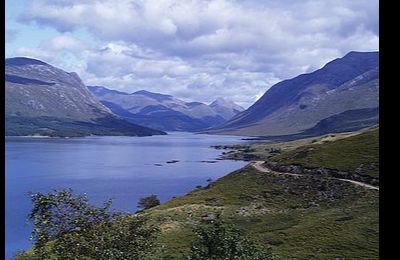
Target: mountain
x=226, y=109
x=344, y=94
x=45, y=100
x=165, y=112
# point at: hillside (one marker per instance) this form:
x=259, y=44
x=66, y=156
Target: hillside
x=355, y=152
x=358, y=154
x=300, y=216
x=41, y=99
x=165, y=112
x=344, y=94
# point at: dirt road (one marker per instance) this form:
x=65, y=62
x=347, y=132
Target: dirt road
x=258, y=165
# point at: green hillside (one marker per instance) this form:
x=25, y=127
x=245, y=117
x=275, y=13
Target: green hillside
x=305, y=217
x=356, y=153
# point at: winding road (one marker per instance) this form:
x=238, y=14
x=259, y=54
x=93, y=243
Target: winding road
x=258, y=165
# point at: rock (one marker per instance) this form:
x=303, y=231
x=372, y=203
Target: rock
x=172, y=161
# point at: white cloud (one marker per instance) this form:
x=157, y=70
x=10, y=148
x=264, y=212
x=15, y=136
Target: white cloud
x=201, y=48
x=65, y=42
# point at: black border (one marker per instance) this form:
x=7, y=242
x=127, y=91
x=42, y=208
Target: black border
x=388, y=117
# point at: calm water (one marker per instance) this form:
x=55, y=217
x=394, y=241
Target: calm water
x=122, y=168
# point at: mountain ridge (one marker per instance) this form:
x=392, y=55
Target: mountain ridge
x=163, y=111
x=294, y=105
x=44, y=100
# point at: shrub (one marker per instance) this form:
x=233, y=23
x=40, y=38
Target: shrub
x=148, y=202
x=68, y=227
x=217, y=240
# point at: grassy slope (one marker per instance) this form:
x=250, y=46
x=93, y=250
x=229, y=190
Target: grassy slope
x=262, y=150
x=345, y=151
x=305, y=217
x=301, y=217
x=346, y=154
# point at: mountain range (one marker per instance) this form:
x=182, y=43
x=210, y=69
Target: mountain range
x=341, y=96
x=165, y=112
x=41, y=99
x=44, y=100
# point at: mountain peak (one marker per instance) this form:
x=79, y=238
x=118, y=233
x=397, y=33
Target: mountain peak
x=227, y=109
x=156, y=96
x=45, y=100
x=22, y=61
x=220, y=100
x=225, y=103
x=361, y=53
x=294, y=105
x=100, y=90
x=357, y=60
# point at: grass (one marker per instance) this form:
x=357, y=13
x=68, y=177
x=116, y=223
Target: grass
x=267, y=149
x=298, y=217
x=350, y=152
x=356, y=153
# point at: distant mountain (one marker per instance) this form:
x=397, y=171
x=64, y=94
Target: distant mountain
x=165, y=112
x=45, y=100
x=344, y=94
x=226, y=109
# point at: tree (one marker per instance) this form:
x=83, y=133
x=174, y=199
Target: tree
x=217, y=240
x=148, y=202
x=68, y=227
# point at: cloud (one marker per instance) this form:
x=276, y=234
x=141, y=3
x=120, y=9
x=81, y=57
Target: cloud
x=65, y=42
x=131, y=69
x=211, y=26
x=200, y=49
x=63, y=51
x=10, y=35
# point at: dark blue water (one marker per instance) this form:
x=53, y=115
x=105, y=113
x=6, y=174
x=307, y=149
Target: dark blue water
x=106, y=167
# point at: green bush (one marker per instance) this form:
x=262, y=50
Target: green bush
x=217, y=240
x=148, y=202
x=68, y=227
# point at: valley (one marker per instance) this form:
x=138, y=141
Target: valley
x=194, y=130
x=166, y=112
x=310, y=189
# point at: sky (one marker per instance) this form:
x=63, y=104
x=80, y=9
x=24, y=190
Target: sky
x=196, y=50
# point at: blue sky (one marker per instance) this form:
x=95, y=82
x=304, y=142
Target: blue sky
x=197, y=50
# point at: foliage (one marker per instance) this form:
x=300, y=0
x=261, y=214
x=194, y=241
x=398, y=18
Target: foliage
x=123, y=239
x=66, y=127
x=67, y=227
x=219, y=241
x=148, y=202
